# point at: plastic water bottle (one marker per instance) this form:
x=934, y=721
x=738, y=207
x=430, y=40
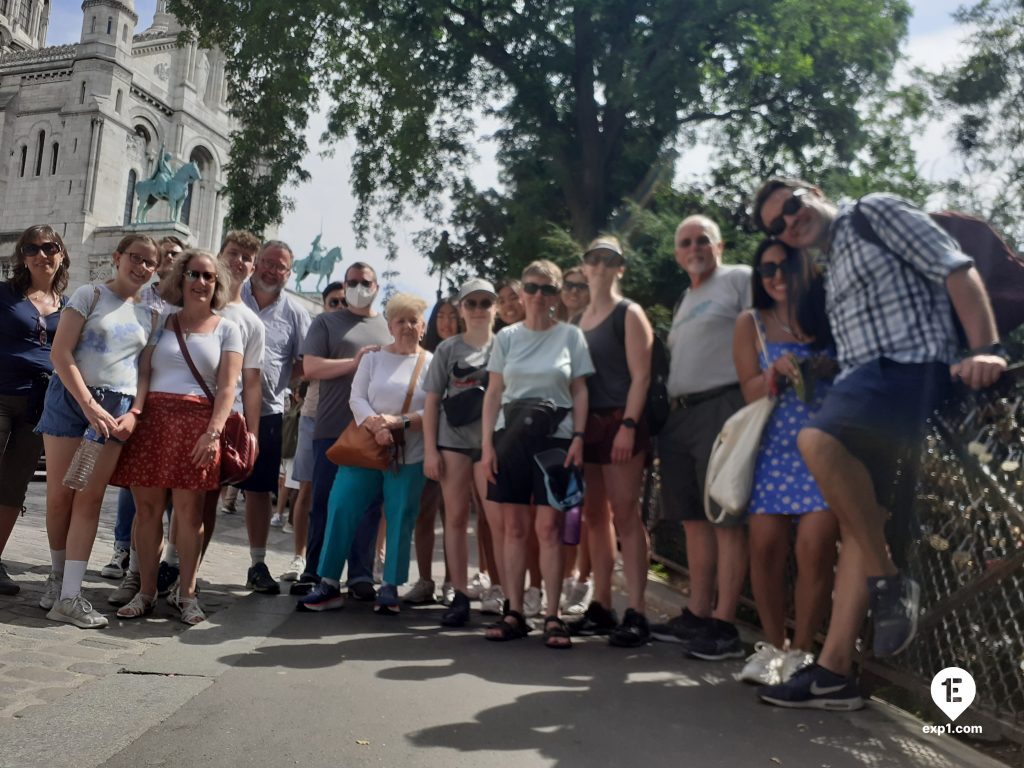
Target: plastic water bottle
x=84, y=461
x=571, y=526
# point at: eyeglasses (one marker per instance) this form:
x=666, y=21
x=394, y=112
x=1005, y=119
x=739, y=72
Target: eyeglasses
x=702, y=241
x=141, y=261
x=334, y=303
x=194, y=274
x=793, y=204
x=546, y=290
x=277, y=268
x=41, y=331
x=357, y=283
x=472, y=304
x=608, y=258
x=33, y=249
x=768, y=269
x=569, y=285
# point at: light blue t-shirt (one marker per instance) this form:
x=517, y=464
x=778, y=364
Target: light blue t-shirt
x=540, y=364
x=286, y=323
x=116, y=330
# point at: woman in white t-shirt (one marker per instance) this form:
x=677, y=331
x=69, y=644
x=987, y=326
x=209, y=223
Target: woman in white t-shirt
x=176, y=447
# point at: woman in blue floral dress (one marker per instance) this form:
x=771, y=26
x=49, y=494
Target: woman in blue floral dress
x=783, y=347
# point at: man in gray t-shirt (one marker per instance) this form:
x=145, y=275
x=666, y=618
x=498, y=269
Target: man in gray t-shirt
x=331, y=352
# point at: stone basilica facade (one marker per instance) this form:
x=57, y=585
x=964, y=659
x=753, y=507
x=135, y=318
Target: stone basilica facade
x=82, y=124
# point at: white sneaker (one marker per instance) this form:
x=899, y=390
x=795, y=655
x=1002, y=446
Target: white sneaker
x=764, y=665
x=295, y=569
x=51, y=590
x=492, y=601
x=422, y=592
x=476, y=588
x=794, y=660
x=78, y=611
x=579, y=599
x=276, y=520
x=447, y=593
x=287, y=528
x=533, y=601
x=118, y=562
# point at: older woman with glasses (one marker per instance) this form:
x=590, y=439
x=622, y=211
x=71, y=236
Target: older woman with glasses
x=92, y=398
x=176, y=448
x=30, y=305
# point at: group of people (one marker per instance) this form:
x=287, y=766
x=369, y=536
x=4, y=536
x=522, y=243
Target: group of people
x=500, y=398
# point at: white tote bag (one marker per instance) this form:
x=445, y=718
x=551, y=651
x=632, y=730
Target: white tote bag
x=730, y=479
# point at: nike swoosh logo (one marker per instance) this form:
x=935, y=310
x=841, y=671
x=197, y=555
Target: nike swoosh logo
x=820, y=690
x=461, y=373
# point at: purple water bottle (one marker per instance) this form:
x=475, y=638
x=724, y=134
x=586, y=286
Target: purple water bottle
x=571, y=525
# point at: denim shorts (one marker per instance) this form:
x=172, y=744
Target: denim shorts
x=63, y=417
x=302, y=467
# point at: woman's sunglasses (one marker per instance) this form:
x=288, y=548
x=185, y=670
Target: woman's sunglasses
x=33, y=249
x=546, y=290
x=768, y=269
x=570, y=285
x=472, y=304
x=194, y=274
x=593, y=258
x=793, y=204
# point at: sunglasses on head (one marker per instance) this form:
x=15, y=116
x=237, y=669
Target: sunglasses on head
x=768, y=269
x=475, y=303
x=793, y=204
x=570, y=285
x=334, y=303
x=701, y=240
x=33, y=249
x=41, y=331
x=141, y=261
x=194, y=274
x=546, y=290
x=608, y=258
x=357, y=283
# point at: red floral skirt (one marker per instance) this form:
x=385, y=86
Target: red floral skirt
x=159, y=452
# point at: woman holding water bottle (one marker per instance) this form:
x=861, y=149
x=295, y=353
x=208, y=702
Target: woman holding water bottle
x=88, y=414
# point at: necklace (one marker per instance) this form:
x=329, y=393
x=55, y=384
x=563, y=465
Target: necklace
x=786, y=328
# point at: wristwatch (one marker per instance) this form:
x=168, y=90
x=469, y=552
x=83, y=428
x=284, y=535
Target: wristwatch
x=629, y=423
x=996, y=349
x=406, y=422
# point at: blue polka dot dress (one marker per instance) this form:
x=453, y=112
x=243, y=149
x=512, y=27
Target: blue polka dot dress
x=782, y=483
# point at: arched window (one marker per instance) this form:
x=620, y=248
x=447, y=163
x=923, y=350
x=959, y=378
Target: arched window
x=81, y=94
x=120, y=99
x=129, y=201
x=124, y=34
x=110, y=24
x=54, y=153
x=39, y=152
x=24, y=160
x=186, y=207
x=92, y=26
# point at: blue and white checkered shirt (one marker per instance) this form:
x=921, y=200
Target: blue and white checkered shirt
x=881, y=304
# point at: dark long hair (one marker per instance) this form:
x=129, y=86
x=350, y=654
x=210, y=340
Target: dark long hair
x=432, y=338
x=805, y=287
x=21, y=278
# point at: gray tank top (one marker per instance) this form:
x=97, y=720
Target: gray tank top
x=609, y=386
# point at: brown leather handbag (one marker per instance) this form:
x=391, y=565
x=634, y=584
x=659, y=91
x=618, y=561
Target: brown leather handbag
x=357, y=447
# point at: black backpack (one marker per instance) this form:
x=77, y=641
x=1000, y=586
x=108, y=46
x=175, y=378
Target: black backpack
x=1001, y=270
x=657, y=408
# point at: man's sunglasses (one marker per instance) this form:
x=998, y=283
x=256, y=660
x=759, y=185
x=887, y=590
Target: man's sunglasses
x=334, y=303
x=608, y=258
x=357, y=283
x=546, y=290
x=33, y=249
x=793, y=204
x=472, y=304
x=570, y=285
x=194, y=274
x=702, y=241
x=768, y=269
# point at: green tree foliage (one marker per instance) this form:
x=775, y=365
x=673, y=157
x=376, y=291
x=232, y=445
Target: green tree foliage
x=986, y=94
x=592, y=96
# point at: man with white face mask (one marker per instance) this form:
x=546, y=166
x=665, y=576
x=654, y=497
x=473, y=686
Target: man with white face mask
x=333, y=348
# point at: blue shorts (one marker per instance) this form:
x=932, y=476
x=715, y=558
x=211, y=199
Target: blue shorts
x=878, y=413
x=302, y=467
x=63, y=417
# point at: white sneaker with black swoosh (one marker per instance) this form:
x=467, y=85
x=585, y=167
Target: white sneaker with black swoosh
x=814, y=687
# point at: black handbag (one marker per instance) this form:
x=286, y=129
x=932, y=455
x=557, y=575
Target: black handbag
x=465, y=407
x=533, y=417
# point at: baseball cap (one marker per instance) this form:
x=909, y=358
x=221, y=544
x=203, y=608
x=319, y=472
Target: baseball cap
x=476, y=285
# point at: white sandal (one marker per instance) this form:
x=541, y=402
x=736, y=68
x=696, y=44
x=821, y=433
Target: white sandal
x=140, y=605
x=191, y=612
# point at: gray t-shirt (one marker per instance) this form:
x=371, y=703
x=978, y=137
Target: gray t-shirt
x=540, y=364
x=457, y=367
x=700, y=342
x=339, y=336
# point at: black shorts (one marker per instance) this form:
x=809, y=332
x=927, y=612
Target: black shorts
x=519, y=479
x=268, y=463
x=473, y=453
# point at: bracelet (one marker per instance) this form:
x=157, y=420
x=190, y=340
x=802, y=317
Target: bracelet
x=214, y=432
x=137, y=412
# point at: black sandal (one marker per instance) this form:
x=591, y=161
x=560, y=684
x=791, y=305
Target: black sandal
x=506, y=629
x=556, y=634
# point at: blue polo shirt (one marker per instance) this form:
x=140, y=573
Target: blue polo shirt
x=286, y=323
x=24, y=353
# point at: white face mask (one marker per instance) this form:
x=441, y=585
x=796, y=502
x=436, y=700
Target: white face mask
x=359, y=297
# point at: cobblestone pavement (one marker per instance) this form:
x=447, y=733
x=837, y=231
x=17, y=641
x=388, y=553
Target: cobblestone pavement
x=42, y=661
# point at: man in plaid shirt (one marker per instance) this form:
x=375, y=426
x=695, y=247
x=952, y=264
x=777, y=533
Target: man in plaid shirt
x=890, y=313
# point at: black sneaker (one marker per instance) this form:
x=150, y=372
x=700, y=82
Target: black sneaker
x=259, y=580
x=813, y=687
x=632, y=632
x=303, y=585
x=683, y=628
x=597, y=620
x=165, y=578
x=8, y=586
x=720, y=640
x=895, y=603
x=458, y=614
x=362, y=591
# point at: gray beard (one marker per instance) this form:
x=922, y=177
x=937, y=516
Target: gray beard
x=264, y=288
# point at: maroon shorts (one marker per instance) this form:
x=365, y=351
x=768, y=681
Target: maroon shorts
x=602, y=426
